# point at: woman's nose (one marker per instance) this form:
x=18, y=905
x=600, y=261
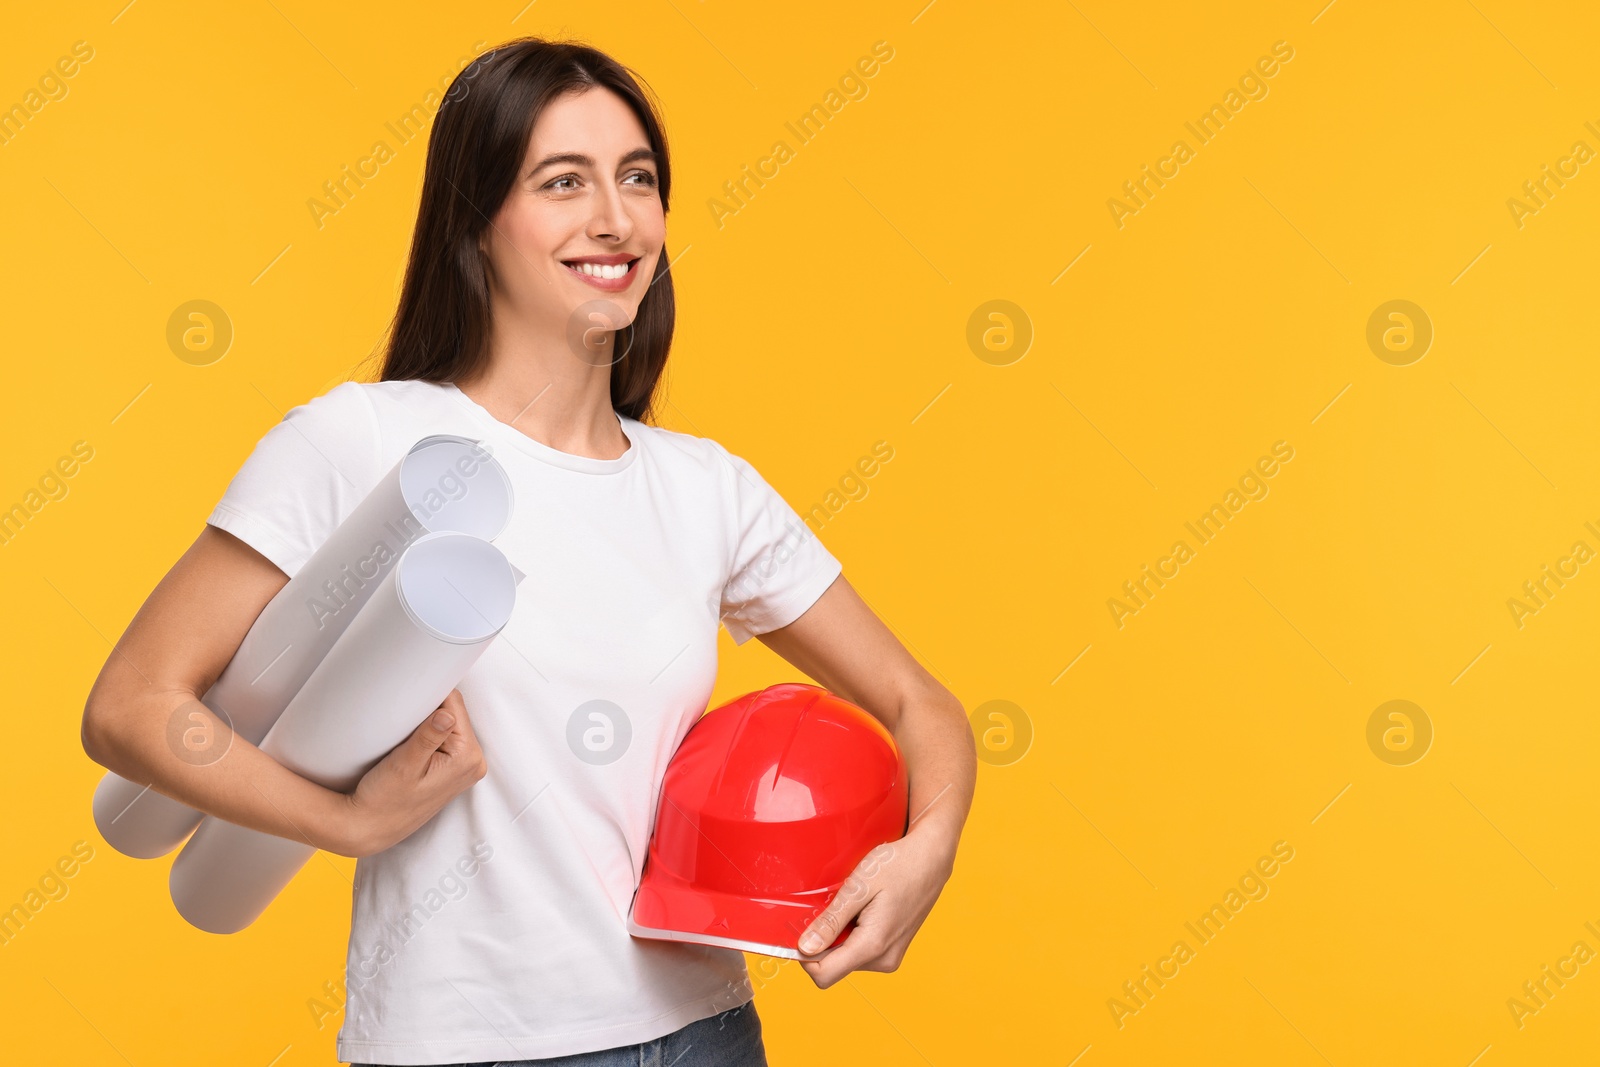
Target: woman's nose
x=610, y=217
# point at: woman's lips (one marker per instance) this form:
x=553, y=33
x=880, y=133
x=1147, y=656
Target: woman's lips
x=610, y=285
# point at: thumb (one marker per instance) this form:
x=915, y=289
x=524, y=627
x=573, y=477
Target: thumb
x=427, y=737
x=825, y=928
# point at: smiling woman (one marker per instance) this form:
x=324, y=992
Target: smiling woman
x=512, y=212
x=535, y=316
x=539, y=290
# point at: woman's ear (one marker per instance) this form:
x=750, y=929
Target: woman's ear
x=484, y=262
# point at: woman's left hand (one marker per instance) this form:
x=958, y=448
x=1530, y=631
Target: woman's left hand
x=889, y=894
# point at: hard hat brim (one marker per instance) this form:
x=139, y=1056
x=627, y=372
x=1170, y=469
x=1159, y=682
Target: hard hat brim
x=711, y=939
x=665, y=910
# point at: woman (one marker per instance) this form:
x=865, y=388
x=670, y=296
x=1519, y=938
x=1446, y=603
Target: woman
x=496, y=861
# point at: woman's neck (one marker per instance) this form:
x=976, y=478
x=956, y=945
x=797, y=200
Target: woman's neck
x=550, y=395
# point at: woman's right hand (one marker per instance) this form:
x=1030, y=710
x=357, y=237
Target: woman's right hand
x=419, y=776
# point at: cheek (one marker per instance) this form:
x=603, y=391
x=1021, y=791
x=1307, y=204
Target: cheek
x=651, y=224
x=650, y=214
x=530, y=232
x=650, y=232
x=526, y=233
x=522, y=249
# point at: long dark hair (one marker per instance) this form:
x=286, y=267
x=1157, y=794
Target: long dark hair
x=479, y=138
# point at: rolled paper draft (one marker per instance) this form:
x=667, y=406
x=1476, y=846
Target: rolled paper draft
x=443, y=483
x=427, y=623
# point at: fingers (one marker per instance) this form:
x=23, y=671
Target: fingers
x=454, y=705
x=865, y=944
x=406, y=788
x=826, y=964
x=868, y=946
x=434, y=729
x=845, y=905
x=461, y=736
x=458, y=749
x=859, y=952
x=438, y=730
x=825, y=928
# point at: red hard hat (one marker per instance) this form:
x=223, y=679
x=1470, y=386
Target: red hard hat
x=766, y=808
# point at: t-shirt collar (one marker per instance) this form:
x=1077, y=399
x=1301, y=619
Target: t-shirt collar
x=503, y=432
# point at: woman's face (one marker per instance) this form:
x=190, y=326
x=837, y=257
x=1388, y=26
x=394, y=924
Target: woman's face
x=586, y=191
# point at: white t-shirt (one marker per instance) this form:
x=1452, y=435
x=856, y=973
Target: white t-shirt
x=497, y=930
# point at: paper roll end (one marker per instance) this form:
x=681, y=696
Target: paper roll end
x=139, y=822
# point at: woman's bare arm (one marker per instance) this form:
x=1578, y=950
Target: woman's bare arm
x=177, y=645
x=841, y=643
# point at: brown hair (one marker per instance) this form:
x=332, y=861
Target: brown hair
x=479, y=138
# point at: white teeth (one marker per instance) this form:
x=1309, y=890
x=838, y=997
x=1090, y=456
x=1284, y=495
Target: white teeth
x=602, y=271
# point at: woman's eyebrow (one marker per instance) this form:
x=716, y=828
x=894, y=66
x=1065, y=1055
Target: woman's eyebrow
x=581, y=160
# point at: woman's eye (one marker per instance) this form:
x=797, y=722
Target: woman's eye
x=646, y=179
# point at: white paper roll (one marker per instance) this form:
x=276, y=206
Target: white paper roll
x=444, y=482
x=427, y=623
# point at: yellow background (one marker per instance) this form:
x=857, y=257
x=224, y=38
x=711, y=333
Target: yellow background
x=828, y=314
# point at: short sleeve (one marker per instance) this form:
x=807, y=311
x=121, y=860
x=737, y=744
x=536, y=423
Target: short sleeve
x=779, y=568
x=305, y=476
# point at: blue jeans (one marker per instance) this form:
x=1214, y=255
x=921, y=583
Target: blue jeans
x=729, y=1039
